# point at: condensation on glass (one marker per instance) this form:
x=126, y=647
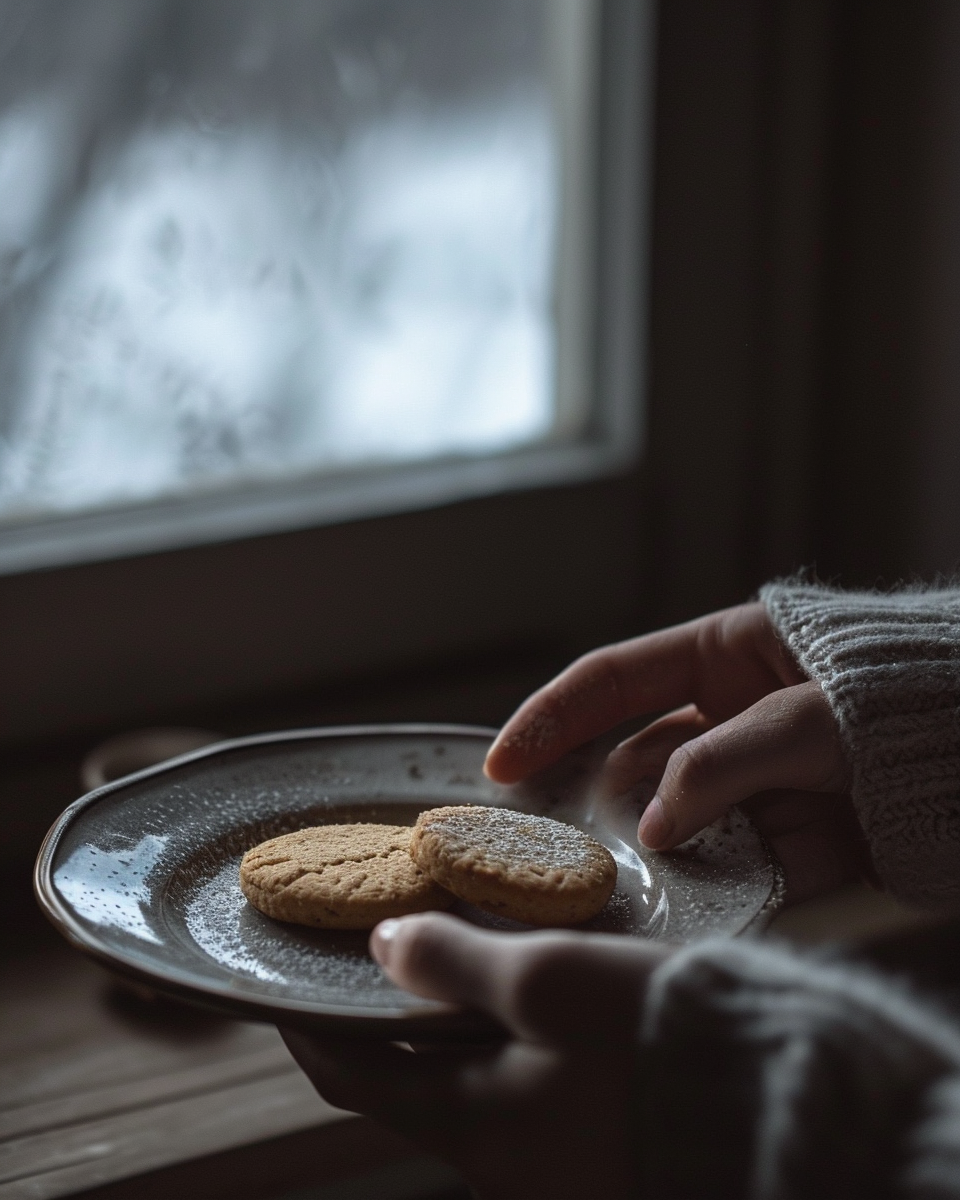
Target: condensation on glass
x=244, y=241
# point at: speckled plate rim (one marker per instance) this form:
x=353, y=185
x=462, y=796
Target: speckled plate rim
x=430, y=1021
x=433, y=1022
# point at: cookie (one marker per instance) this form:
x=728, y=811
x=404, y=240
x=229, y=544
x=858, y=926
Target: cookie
x=339, y=877
x=530, y=869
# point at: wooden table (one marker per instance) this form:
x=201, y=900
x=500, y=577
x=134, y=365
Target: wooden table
x=98, y=1086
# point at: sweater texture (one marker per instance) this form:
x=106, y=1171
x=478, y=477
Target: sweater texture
x=771, y=1075
x=889, y=666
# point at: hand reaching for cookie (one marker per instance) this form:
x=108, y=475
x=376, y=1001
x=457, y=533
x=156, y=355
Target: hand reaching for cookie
x=547, y=1112
x=742, y=722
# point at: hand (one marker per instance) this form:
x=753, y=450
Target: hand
x=744, y=723
x=547, y=1112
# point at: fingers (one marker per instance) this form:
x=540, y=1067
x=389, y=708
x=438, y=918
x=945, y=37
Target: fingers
x=722, y=663
x=343, y=1084
x=646, y=754
x=591, y=696
x=789, y=739
x=527, y=1121
x=379, y=1079
x=552, y=987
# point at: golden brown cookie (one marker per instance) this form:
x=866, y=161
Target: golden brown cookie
x=339, y=877
x=527, y=868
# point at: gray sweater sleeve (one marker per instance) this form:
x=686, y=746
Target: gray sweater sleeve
x=767, y=1075
x=890, y=668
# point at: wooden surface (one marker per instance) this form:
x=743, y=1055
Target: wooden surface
x=97, y=1084
x=345, y=1160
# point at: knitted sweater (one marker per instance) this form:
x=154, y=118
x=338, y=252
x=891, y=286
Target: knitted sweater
x=890, y=668
x=768, y=1075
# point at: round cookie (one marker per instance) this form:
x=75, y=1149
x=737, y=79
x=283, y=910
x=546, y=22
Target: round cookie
x=339, y=877
x=531, y=869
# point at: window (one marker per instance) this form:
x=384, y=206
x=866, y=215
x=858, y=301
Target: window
x=321, y=343
x=268, y=263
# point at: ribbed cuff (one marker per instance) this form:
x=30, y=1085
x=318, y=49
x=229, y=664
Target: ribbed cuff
x=890, y=668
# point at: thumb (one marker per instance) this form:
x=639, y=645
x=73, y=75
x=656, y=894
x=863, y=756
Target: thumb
x=554, y=987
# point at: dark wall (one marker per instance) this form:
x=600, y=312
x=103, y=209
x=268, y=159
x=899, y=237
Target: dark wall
x=703, y=288
x=805, y=405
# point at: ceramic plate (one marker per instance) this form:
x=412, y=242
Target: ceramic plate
x=142, y=873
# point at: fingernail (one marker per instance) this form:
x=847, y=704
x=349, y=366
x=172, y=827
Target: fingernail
x=382, y=940
x=654, y=830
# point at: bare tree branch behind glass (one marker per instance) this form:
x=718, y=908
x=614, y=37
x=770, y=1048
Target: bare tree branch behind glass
x=243, y=240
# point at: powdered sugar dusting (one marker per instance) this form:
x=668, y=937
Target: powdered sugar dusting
x=515, y=839
x=535, y=733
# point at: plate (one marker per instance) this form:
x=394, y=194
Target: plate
x=142, y=873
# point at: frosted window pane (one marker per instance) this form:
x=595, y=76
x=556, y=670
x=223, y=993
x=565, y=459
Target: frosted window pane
x=251, y=240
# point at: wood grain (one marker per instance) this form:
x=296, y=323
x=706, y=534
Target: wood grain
x=97, y=1084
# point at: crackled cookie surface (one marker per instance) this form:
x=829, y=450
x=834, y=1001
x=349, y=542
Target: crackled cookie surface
x=531, y=869
x=339, y=877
